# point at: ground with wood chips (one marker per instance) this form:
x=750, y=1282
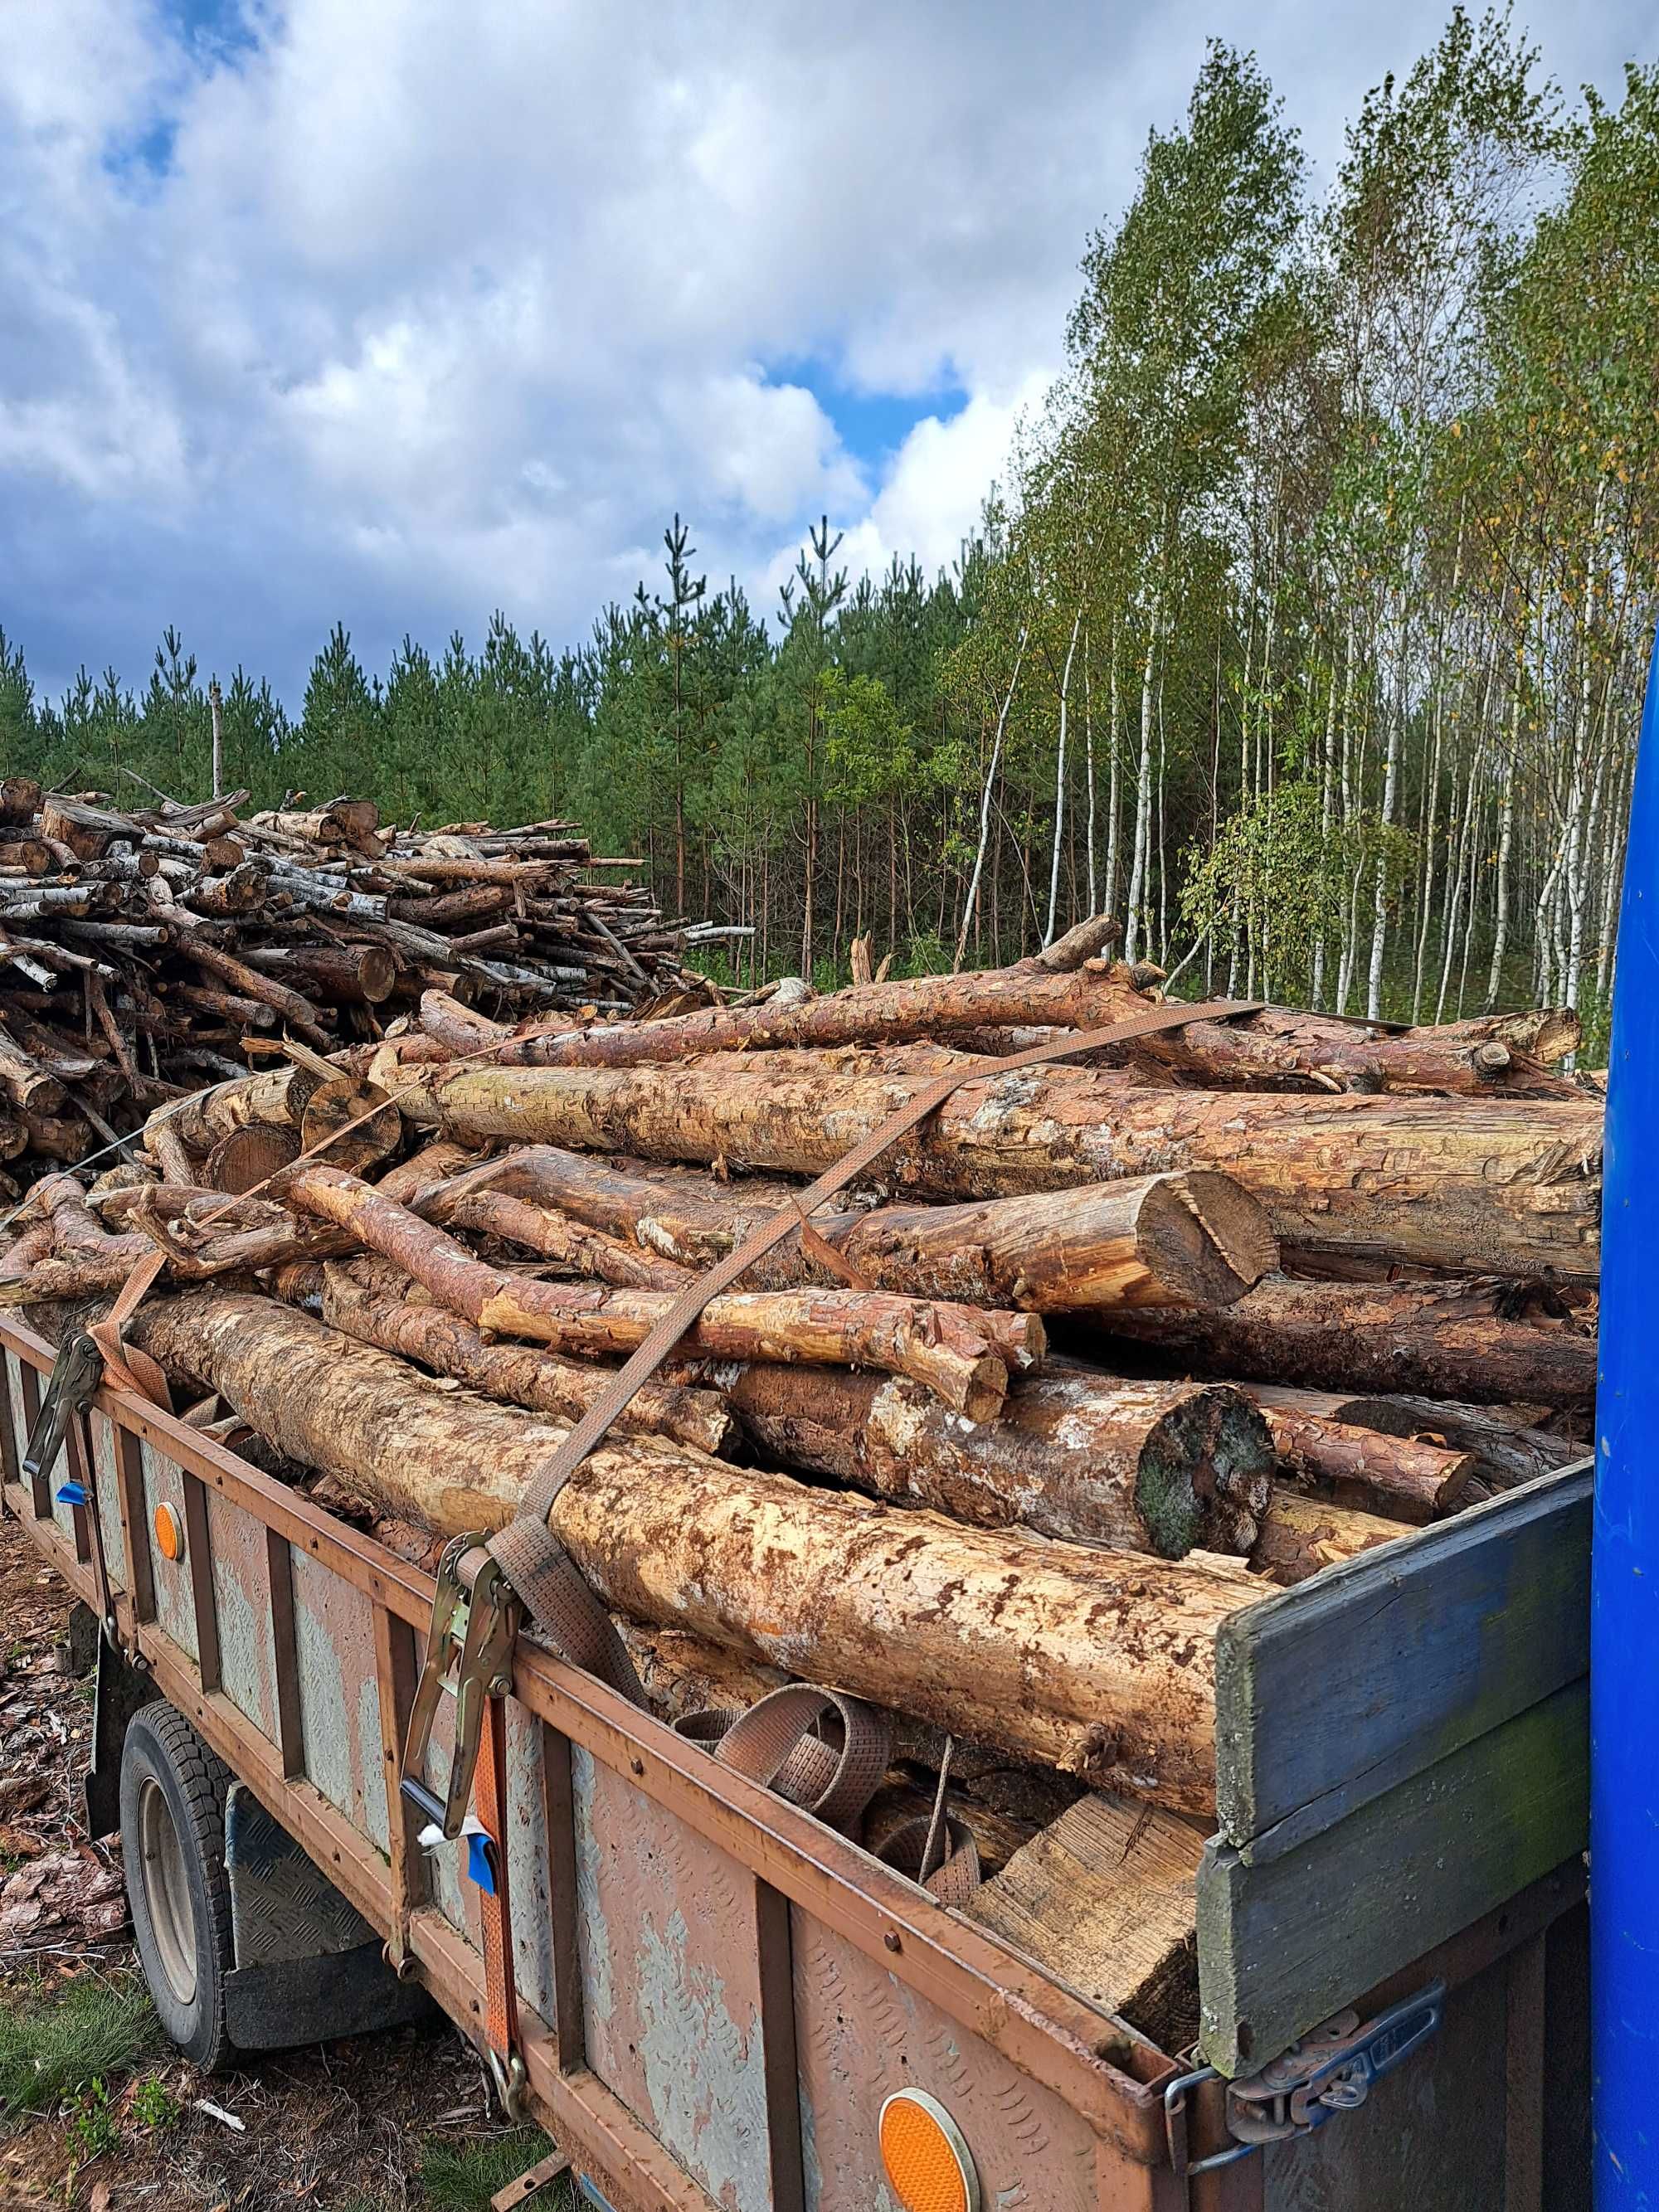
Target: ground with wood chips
x=95, y=2110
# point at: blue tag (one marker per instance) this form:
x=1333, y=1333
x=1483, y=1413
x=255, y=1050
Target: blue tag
x=73, y=1493
x=481, y=1861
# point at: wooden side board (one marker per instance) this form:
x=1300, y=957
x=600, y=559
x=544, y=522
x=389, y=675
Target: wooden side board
x=1333, y=1693
x=1285, y=1943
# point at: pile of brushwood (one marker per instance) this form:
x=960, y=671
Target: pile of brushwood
x=145, y=954
x=1096, y=1355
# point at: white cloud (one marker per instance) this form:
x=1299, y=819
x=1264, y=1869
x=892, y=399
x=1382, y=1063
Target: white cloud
x=396, y=312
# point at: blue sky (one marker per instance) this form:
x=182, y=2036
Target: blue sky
x=399, y=312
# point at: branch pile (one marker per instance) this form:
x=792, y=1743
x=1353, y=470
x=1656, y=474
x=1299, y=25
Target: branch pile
x=144, y=954
x=1101, y=1351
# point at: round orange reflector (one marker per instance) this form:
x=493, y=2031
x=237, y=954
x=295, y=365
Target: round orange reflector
x=929, y=2165
x=169, y=1532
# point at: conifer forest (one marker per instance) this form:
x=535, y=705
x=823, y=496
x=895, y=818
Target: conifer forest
x=1306, y=629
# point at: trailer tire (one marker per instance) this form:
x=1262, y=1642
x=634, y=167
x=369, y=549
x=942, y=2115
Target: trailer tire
x=172, y=1847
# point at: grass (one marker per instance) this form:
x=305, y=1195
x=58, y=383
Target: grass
x=464, y=2180
x=66, y=2047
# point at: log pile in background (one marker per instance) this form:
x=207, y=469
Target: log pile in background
x=1101, y=1353
x=142, y=954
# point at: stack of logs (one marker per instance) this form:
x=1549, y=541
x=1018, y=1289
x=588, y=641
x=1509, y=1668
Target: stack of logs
x=144, y=954
x=1097, y=1355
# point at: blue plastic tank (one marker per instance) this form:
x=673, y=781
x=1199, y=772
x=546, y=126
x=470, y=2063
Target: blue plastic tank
x=1624, y=1573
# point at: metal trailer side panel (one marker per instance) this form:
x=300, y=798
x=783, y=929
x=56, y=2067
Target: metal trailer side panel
x=861, y=2034
x=671, y=1984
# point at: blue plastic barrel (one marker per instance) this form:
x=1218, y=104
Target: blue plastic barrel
x=1624, y=1574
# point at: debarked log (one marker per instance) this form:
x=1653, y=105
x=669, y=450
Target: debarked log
x=1507, y=1187
x=1106, y=1672
x=1149, y=1467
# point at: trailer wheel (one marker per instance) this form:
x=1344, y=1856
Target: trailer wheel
x=172, y=1847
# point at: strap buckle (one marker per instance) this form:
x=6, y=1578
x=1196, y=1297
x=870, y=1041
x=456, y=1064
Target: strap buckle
x=76, y=1374
x=469, y=1654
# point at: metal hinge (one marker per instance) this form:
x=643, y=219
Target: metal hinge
x=1329, y=2071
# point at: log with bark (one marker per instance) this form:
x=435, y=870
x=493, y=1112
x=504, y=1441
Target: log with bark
x=1301, y=1534
x=1276, y=1045
x=1186, y=1239
x=1406, y=1477
x=961, y=1354
x=1097, y=1663
x=1509, y=1187
x=1484, y=1339
x=1150, y=1467
x=370, y=1300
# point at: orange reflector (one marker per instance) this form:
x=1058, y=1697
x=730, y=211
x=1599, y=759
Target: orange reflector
x=169, y=1532
x=929, y=2165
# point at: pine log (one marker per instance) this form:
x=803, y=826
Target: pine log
x=1276, y=1045
x=583, y=1250
x=1456, y=1340
x=1279, y=1046
x=77, y=1229
x=1509, y=1451
x=249, y=1158
x=370, y=1300
x=1106, y=1672
x=276, y=1096
x=1543, y=1033
x=1401, y=1476
x=1506, y=1186
x=1176, y=1240
x=1300, y=1534
x=884, y=1013
x=959, y=1353
x=1148, y=1466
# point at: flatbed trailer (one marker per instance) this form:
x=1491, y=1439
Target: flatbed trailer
x=716, y=1995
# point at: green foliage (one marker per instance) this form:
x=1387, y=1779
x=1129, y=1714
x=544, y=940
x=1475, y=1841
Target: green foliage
x=92, y=2129
x=1280, y=877
x=67, y=2045
x=154, y=2106
x=464, y=2179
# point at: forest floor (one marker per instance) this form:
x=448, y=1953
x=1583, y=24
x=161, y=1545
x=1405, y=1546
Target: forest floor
x=96, y=2109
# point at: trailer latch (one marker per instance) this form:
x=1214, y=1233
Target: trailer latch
x=469, y=1654
x=1330, y=2070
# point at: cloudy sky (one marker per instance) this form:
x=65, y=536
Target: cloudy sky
x=397, y=310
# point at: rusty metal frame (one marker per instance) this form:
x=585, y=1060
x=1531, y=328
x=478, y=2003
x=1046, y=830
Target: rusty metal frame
x=1108, y=2073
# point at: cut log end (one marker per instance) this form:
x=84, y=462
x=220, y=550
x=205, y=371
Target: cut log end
x=1205, y=1474
x=1211, y=1242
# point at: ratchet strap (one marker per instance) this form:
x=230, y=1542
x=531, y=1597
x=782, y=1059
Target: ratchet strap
x=555, y=1597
